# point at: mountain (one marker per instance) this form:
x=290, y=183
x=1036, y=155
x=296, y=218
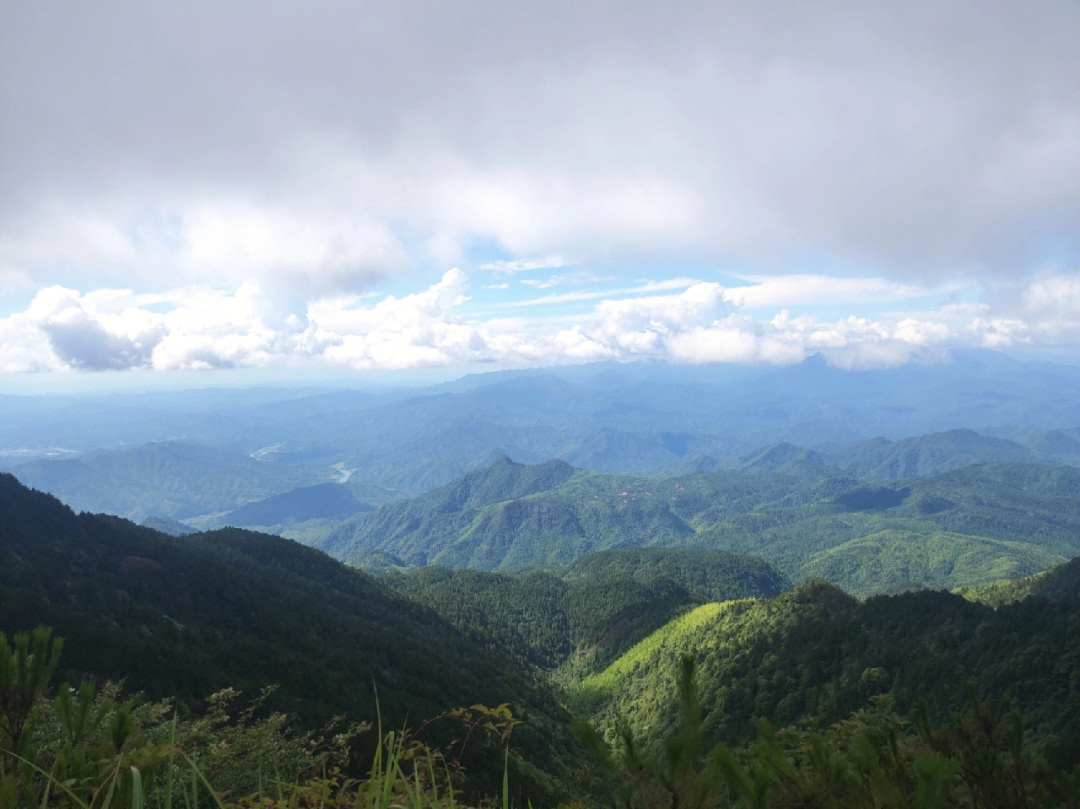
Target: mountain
x=186, y=616
x=1061, y=445
x=817, y=653
x=705, y=575
x=175, y=479
x=778, y=456
x=321, y=501
x=408, y=527
x=927, y=455
x=593, y=609
x=616, y=451
x=1058, y=583
x=969, y=526
x=165, y=525
x=643, y=418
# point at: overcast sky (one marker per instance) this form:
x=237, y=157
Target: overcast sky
x=355, y=186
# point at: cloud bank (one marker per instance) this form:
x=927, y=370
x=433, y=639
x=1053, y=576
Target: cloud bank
x=194, y=328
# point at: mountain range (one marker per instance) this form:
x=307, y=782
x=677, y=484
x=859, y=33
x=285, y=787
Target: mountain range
x=969, y=526
x=644, y=419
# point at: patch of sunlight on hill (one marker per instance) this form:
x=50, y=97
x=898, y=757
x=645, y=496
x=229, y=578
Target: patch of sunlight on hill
x=606, y=680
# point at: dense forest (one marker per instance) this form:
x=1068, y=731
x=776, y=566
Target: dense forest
x=594, y=608
x=965, y=527
x=238, y=650
x=184, y=617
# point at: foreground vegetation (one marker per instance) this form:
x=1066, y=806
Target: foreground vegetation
x=91, y=749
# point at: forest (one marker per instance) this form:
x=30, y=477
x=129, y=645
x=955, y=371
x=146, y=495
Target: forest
x=232, y=668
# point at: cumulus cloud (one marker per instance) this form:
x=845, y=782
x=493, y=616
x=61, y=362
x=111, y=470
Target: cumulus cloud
x=414, y=331
x=118, y=330
x=1053, y=304
x=196, y=327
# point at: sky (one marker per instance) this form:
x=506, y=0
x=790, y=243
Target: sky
x=297, y=188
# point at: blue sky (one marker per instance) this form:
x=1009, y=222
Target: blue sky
x=287, y=190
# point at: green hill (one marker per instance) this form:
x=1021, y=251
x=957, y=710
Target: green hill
x=321, y=501
x=1058, y=583
x=927, y=455
x=186, y=616
x=595, y=608
x=815, y=653
x=968, y=526
x=166, y=525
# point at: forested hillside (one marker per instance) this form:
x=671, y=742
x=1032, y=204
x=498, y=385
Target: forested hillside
x=969, y=526
x=926, y=455
x=1058, y=583
x=319, y=502
x=817, y=653
x=187, y=616
x=597, y=607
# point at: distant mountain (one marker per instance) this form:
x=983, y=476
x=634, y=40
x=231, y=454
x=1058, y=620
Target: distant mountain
x=1060, y=445
x=321, y=501
x=634, y=453
x=926, y=455
x=165, y=525
x=879, y=458
x=173, y=479
x=780, y=455
x=969, y=526
x=644, y=418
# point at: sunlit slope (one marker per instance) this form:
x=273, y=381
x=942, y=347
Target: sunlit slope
x=817, y=653
x=591, y=612
x=1058, y=583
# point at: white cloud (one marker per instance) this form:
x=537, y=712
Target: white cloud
x=542, y=283
x=1052, y=305
x=592, y=295
x=111, y=330
x=525, y=264
x=196, y=327
x=794, y=290
x=414, y=331
x=575, y=278
x=208, y=240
